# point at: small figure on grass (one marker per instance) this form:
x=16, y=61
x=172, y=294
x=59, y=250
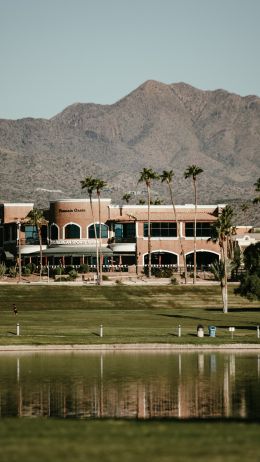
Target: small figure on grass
x=15, y=310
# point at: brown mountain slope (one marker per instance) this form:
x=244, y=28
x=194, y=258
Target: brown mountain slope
x=157, y=125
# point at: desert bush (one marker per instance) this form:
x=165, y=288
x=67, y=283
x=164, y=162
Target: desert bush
x=2, y=270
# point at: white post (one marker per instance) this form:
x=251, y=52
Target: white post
x=101, y=331
x=18, y=329
x=258, y=332
x=179, y=330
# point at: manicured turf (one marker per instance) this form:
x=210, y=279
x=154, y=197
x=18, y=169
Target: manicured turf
x=29, y=440
x=70, y=315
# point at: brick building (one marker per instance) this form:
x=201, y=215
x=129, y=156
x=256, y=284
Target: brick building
x=69, y=238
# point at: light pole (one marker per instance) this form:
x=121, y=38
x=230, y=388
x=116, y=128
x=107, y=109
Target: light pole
x=19, y=249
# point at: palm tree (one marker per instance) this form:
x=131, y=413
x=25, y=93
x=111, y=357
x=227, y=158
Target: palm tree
x=100, y=184
x=221, y=233
x=192, y=171
x=126, y=197
x=146, y=176
x=257, y=189
x=36, y=218
x=167, y=177
x=89, y=183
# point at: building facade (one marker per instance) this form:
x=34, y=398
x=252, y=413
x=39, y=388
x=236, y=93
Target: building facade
x=74, y=227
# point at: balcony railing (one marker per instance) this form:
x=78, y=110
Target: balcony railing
x=123, y=240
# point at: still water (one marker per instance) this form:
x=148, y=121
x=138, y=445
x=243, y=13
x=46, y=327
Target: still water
x=136, y=385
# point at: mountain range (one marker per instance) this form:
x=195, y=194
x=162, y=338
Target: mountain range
x=156, y=126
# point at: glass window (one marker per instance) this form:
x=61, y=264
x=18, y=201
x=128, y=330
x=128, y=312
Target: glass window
x=54, y=232
x=72, y=232
x=202, y=229
x=161, y=229
x=31, y=234
x=104, y=231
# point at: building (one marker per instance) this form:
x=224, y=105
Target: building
x=69, y=238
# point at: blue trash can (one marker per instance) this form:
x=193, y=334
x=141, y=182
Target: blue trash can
x=212, y=331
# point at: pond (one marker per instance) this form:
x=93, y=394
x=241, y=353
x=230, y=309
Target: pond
x=130, y=385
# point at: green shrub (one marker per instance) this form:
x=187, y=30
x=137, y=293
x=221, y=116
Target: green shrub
x=160, y=272
x=31, y=267
x=84, y=268
x=105, y=277
x=12, y=271
x=73, y=274
x=2, y=270
x=58, y=270
x=26, y=271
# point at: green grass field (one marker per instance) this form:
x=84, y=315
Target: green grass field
x=73, y=315
x=30, y=440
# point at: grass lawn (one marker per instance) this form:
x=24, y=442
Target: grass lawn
x=72, y=315
x=30, y=440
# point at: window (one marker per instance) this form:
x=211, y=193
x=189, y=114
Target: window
x=72, y=232
x=161, y=229
x=31, y=234
x=54, y=232
x=202, y=229
x=104, y=231
x=124, y=230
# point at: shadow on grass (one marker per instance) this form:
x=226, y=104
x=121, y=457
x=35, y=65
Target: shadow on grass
x=181, y=316
x=12, y=333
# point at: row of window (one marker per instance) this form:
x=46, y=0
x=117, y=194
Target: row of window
x=121, y=230
x=127, y=230
x=169, y=229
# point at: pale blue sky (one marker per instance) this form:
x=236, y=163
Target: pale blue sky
x=57, y=52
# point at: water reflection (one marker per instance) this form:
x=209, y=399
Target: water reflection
x=140, y=385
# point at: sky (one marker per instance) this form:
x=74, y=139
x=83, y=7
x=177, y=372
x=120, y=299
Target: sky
x=54, y=53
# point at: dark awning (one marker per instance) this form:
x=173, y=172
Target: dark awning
x=74, y=251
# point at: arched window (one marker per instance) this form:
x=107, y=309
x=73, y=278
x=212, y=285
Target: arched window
x=72, y=231
x=104, y=231
x=54, y=232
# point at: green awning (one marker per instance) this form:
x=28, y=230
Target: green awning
x=75, y=251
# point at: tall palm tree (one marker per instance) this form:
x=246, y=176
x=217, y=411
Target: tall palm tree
x=192, y=171
x=36, y=218
x=221, y=233
x=167, y=176
x=146, y=176
x=89, y=183
x=257, y=189
x=100, y=184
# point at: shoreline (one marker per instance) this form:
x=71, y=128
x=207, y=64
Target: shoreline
x=140, y=347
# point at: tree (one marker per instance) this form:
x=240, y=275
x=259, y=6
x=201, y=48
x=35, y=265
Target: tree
x=221, y=233
x=36, y=218
x=167, y=176
x=126, y=197
x=89, y=183
x=100, y=184
x=147, y=175
x=192, y=171
x=257, y=189
x=250, y=281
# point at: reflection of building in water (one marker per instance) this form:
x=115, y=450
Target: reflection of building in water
x=207, y=386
